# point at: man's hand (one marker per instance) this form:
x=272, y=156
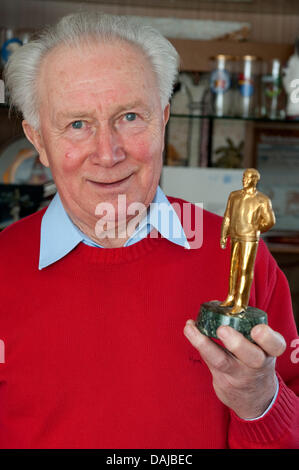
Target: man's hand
x=243, y=373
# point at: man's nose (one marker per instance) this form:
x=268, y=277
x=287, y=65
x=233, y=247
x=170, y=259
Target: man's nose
x=108, y=148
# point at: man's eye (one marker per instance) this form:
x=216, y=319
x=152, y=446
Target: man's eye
x=130, y=116
x=77, y=124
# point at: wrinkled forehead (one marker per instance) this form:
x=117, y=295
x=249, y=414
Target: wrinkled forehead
x=118, y=69
x=87, y=45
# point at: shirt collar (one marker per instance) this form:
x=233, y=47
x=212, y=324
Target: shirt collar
x=59, y=235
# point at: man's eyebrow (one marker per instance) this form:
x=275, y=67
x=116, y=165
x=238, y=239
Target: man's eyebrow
x=74, y=114
x=133, y=104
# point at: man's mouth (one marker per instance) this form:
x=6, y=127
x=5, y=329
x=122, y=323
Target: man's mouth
x=110, y=184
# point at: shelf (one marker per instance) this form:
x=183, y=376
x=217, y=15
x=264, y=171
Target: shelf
x=283, y=248
x=212, y=116
x=235, y=118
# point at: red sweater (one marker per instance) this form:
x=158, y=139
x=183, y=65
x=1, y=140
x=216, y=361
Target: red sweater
x=95, y=355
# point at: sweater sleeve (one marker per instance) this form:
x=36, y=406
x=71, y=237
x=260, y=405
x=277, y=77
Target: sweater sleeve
x=279, y=427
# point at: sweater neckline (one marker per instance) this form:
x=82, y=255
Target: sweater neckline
x=119, y=255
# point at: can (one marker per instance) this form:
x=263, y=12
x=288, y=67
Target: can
x=246, y=99
x=221, y=85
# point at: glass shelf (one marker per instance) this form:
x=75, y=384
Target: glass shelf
x=212, y=116
x=235, y=118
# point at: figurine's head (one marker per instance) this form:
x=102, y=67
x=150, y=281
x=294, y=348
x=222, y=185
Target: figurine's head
x=250, y=178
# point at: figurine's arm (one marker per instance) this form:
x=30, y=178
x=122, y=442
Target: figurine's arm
x=268, y=217
x=225, y=225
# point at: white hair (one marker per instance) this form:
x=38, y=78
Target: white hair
x=21, y=71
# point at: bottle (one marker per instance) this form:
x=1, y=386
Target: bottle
x=273, y=98
x=221, y=86
x=246, y=102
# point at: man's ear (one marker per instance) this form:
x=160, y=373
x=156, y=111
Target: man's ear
x=166, y=113
x=35, y=138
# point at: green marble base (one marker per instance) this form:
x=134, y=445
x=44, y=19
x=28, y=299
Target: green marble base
x=211, y=316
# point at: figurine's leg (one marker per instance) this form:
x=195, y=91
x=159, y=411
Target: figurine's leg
x=248, y=253
x=248, y=269
x=233, y=274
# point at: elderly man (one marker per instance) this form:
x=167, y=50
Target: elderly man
x=92, y=323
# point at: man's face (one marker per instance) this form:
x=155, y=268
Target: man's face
x=101, y=127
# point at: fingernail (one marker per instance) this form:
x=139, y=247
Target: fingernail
x=258, y=329
x=189, y=329
x=222, y=332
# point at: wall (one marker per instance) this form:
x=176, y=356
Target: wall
x=267, y=27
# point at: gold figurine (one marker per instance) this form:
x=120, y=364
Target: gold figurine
x=248, y=214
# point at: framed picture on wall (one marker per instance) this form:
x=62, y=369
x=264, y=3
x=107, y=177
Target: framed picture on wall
x=276, y=156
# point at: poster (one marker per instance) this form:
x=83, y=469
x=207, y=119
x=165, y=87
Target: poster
x=277, y=159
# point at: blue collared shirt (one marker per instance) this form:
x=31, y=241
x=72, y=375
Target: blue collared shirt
x=59, y=235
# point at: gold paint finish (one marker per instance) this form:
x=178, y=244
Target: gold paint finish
x=248, y=214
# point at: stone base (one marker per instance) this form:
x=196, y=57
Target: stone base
x=211, y=316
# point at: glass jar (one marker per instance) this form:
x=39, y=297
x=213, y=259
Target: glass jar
x=221, y=86
x=273, y=100
x=246, y=99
